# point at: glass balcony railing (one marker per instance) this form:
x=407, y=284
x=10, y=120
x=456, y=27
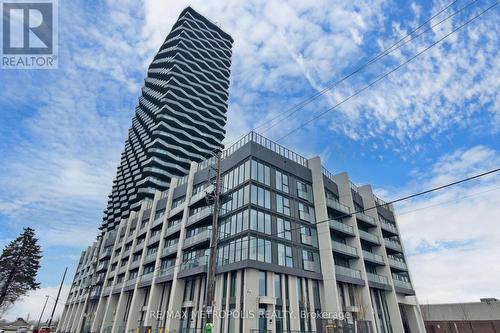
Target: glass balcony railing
x=202, y=236
x=393, y=244
x=169, y=250
x=154, y=239
x=147, y=277
x=310, y=265
x=308, y=240
x=306, y=216
x=342, y=227
x=198, y=196
x=135, y=264
x=166, y=271
x=106, y=253
x=196, y=262
x=344, y=249
x=205, y=212
x=102, y=266
x=345, y=271
x=397, y=264
x=173, y=229
x=389, y=227
x=369, y=237
x=303, y=195
x=337, y=206
x=158, y=220
x=131, y=282
x=402, y=284
x=377, y=278
x=373, y=257
x=150, y=257
x=176, y=210
x=366, y=218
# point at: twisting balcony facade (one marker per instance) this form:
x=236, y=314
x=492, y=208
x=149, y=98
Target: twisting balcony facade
x=181, y=113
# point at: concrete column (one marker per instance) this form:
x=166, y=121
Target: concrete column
x=99, y=314
x=77, y=319
x=119, y=322
x=415, y=320
x=82, y=315
x=109, y=313
x=251, y=299
x=390, y=296
x=311, y=305
x=363, y=292
x=136, y=306
x=64, y=322
x=238, y=309
x=67, y=320
x=330, y=300
x=156, y=290
x=200, y=301
x=294, y=303
x=175, y=302
x=63, y=318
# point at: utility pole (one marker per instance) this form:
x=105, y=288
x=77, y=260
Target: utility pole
x=43, y=310
x=57, y=298
x=209, y=301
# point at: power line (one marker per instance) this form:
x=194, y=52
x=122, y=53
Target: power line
x=434, y=189
x=381, y=55
x=381, y=77
x=448, y=201
x=358, y=69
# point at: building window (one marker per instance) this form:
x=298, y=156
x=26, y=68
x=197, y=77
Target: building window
x=284, y=228
x=235, y=200
x=306, y=213
x=303, y=190
x=285, y=255
x=261, y=197
x=264, y=252
x=260, y=249
x=232, y=285
x=260, y=221
x=236, y=176
x=282, y=182
x=233, y=224
x=277, y=286
x=133, y=274
x=261, y=173
x=148, y=269
x=282, y=205
x=262, y=283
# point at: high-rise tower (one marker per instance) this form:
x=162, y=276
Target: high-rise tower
x=299, y=249
x=181, y=113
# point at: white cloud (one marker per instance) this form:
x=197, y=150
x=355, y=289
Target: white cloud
x=31, y=305
x=450, y=86
x=453, y=236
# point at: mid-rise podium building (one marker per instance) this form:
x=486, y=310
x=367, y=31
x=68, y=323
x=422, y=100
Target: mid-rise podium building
x=296, y=243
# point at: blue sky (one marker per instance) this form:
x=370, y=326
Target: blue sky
x=435, y=120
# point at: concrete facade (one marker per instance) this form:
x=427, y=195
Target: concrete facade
x=278, y=269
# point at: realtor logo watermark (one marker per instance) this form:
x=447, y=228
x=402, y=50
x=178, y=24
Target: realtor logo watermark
x=29, y=34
